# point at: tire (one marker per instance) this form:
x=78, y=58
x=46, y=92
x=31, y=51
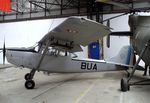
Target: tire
x=29, y=84
x=27, y=76
x=124, y=85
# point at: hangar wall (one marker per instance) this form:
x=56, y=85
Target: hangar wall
x=116, y=42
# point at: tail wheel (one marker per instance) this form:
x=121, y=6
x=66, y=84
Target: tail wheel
x=29, y=84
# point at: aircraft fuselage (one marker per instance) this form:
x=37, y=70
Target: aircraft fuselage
x=57, y=63
x=140, y=26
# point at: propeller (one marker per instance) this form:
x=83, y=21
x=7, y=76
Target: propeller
x=3, y=50
x=4, y=53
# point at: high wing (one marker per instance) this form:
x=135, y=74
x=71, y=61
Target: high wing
x=73, y=32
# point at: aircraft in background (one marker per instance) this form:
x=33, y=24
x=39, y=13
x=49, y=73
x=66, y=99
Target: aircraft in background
x=55, y=52
x=140, y=40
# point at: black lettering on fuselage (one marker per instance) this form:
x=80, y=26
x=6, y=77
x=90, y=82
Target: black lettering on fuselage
x=88, y=66
x=95, y=67
x=83, y=65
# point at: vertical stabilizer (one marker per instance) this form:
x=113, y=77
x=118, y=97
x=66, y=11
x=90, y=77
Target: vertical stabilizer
x=124, y=56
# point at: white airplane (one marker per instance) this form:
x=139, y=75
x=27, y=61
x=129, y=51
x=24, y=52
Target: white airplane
x=55, y=52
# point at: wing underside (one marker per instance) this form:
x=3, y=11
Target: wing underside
x=75, y=31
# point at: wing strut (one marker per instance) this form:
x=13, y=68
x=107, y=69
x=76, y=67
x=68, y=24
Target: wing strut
x=43, y=55
x=29, y=84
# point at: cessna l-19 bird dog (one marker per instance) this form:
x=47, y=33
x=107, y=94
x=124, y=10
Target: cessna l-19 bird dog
x=55, y=52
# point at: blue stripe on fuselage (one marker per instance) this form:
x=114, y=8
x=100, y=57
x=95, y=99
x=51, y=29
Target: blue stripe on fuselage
x=128, y=55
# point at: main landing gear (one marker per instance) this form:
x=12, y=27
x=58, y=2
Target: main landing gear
x=124, y=84
x=125, y=81
x=30, y=84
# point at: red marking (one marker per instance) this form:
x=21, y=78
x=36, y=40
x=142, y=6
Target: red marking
x=5, y=5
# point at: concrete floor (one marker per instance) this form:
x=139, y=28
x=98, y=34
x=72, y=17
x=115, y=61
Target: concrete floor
x=101, y=87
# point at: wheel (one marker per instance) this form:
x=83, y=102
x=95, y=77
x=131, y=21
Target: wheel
x=29, y=84
x=27, y=76
x=124, y=85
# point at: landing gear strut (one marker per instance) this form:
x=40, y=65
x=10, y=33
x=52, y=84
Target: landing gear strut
x=125, y=82
x=30, y=84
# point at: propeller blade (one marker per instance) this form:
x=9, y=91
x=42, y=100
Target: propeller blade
x=4, y=53
x=114, y=3
x=108, y=36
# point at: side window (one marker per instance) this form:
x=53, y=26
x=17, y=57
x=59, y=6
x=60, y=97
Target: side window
x=62, y=53
x=36, y=48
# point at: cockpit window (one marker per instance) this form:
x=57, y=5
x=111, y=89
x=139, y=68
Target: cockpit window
x=73, y=55
x=36, y=48
x=56, y=52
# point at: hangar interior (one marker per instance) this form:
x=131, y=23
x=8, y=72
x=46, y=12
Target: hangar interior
x=23, y=10
x=96, y=87
x=46, y=9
